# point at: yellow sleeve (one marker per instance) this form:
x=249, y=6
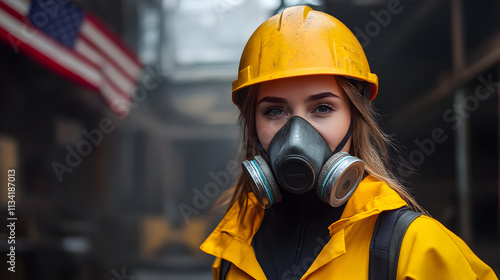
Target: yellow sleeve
x=431, y=251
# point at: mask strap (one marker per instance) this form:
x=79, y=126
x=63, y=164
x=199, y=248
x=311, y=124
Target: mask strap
x=262, y=153
x=366, y=94
x=344, y=141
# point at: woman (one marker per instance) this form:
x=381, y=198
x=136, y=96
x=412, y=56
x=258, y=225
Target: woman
x=316, y=173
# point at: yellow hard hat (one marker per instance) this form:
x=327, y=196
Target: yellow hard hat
x=299, y=42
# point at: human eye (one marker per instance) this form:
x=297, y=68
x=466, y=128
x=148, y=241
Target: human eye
x=274, y=112
x=323, y=109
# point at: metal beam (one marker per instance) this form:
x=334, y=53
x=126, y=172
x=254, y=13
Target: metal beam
x=462, y=141
x=490, y=55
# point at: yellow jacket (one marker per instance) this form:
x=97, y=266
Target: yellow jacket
x=429, y=250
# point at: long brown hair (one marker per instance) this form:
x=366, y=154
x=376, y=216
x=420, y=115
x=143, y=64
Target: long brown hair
x=369, y=143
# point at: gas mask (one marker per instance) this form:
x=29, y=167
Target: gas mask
x=299, y=159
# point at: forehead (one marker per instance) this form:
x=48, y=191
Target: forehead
x=302, y=86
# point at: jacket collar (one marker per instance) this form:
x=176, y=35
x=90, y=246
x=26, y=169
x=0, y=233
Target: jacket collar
x=231, y=239
x=370, y=198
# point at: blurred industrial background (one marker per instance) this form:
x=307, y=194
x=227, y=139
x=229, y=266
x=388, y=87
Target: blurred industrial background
x=107, y=191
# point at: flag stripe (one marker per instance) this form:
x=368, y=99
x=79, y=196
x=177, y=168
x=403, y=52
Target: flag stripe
x=112, y=74
x=42, y=44
x=33, y=30
x=13, y=12
x=113, y=37
x=95, y=58
x=20, y=6
x=114, y=99
x=94, y=35
x=42, y=59
x=105, y=62
x=125, y=94
x=89, y=52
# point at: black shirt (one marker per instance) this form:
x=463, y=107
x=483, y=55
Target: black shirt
x=292, y=234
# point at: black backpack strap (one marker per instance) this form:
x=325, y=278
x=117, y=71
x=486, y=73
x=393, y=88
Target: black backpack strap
x=224, y=268
x=387, y=238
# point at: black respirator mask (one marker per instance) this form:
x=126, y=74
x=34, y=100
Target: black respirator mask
x=299, y=159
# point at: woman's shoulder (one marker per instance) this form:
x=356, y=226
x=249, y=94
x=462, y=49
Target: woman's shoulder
x=432, y=233
x=432, y=251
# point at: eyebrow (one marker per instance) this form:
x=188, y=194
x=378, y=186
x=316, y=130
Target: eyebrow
x=321, y=96
x=273, y=100
x=313, y=97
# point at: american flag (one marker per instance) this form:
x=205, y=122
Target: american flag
x=73, y=43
